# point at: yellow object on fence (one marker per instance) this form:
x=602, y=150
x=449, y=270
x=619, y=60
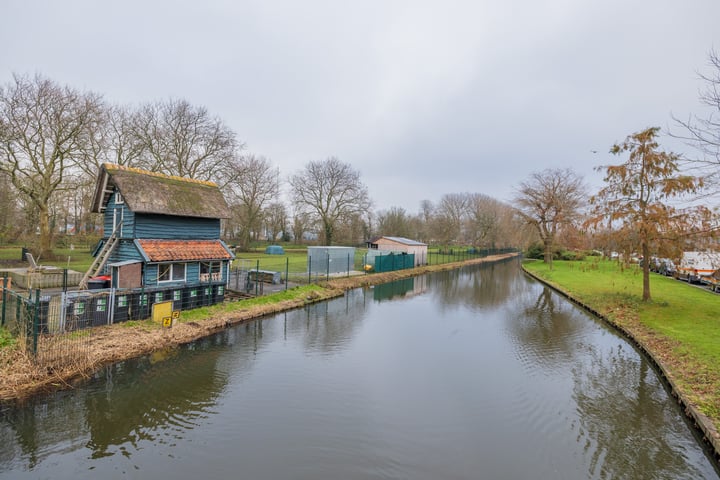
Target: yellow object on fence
x=162, y=313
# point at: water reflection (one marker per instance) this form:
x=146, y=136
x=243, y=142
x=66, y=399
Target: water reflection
x=400, y=288
x=545, y=328
x=621, y=403
x=476, y=287
x=476, y=373
x=327, y=327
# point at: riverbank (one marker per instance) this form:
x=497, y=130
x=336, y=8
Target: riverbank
x=21, y=378
x=678, y=331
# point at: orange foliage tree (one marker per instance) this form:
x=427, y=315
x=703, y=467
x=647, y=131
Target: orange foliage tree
x=637, y=198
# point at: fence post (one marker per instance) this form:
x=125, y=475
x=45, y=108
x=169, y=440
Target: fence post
x=36, y=321
x=327, y=273
x=257, y=276
x=4, y=299
x=111, y=307
x=287, y=271
x=348, y=266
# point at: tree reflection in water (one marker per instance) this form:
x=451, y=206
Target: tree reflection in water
x=621, y=403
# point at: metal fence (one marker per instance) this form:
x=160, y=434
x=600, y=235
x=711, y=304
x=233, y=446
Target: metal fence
x=271, y=273
x=53, y=327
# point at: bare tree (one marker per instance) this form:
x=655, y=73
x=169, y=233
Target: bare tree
x=43, y=133
x=704, y=132
x=332, y=191
x=449, y=217
x=10, y=225
x=485, y=220
x=394, y=221
x=300, y=224
x=275, y=220
x=180, y=139
x=253, y=183
x=548, y=200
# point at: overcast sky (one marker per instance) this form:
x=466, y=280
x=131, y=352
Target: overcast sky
x=423, y=98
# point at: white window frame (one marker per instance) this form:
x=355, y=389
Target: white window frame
x=173, y=272
x=119, y=200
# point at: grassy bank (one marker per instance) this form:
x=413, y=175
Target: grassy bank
x=680, y=327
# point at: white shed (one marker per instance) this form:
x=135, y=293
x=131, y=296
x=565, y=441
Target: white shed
x=401, y=244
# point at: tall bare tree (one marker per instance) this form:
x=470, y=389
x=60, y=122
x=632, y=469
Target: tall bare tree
x=449, y=217
x=704, y=132
x=637, y=196
x=394, y=221
x=276, y=220
x=10, y=225
x=254, y=182
x=548, y=200
x=300, y=225
x=43, y=134
x=180, y=139
x=485, y=221
x=332, y=191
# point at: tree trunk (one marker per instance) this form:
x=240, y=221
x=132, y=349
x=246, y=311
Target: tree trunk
x=328, y=233
x=646, y=272
x=548, y=258
x=45, y=240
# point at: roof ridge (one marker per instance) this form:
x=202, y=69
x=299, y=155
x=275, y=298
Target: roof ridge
x=115, y=166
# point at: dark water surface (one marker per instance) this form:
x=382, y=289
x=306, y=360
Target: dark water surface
x=480, y=373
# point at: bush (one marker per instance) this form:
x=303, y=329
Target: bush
x=535, y=250
x=571, y=255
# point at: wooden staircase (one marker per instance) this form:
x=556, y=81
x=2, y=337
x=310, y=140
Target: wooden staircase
x=101, y=259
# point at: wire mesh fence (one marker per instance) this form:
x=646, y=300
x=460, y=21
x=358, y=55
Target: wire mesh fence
x=54, y=327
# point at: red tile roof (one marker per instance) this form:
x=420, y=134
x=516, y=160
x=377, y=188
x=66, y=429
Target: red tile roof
x=183, y=250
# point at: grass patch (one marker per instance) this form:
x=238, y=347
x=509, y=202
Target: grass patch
x=301, y=292
x=682, y=317
x=6, y=339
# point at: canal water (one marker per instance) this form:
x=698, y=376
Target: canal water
x=479, y=373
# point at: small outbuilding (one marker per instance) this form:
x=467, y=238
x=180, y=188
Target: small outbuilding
x=327, y=260
x=160, y=230
x=401, y=244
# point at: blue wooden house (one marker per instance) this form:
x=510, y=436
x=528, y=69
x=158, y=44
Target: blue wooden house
x=160, y=230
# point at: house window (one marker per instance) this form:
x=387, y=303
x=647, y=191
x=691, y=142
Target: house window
x=171, y=272
x=210, y=271
x=119, y=200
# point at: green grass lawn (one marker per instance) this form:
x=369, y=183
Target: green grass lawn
x=78, y=259
x=686, y=315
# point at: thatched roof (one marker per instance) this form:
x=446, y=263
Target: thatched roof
x=150, y=192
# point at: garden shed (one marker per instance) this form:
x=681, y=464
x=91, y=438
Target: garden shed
x=401, y=245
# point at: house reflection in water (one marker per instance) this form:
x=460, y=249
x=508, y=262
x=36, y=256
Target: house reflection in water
x=400, y=288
